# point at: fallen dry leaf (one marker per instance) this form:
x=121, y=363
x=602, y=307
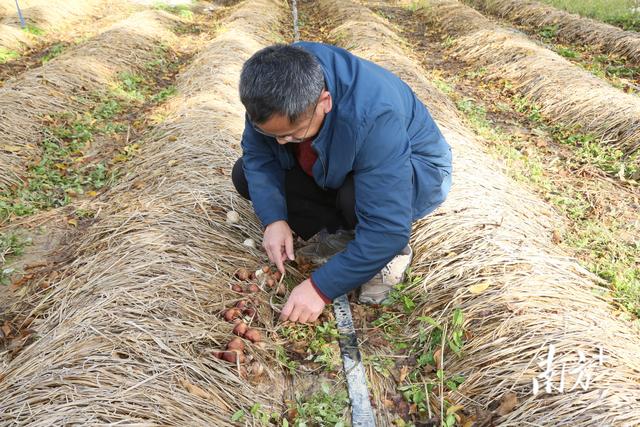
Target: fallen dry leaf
x=478, y=288
x=10, y=148
x=507, y=404
x=21, y=281
x=404, y=371
x=437, y=355
x=453, y=409
x=6, y=328
x=194, y=389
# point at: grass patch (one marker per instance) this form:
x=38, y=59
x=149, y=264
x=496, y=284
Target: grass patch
x=319, y=343
x=11, y=245
x=425, y=378
x=325, y=407
x=60, y=174
x=622, y=13
x=612, y=67
x=52, y=52
x=597, y=243
x=587, y=148
x=164, y=94
x=7, y=55
x=33, y=30
x=182, y=10
x=63, y=171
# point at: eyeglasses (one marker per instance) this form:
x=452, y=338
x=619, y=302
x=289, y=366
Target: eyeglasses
x=290, y=137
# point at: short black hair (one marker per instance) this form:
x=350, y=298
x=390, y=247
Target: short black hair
x=280, y=79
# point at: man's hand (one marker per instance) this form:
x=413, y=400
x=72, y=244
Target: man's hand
x=278, y=242
x=304, y=304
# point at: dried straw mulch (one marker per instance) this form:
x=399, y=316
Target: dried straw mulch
x=125, y=331
x=564, y=92
x=488, y=251
x=67, y=84
x=571, y=27
x=45, y=15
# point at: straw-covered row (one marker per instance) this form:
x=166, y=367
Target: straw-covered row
x=487, y=252
x=564, y=92
x=71, y=82
x=569, y=26
x=43, y=15
x=126, y=335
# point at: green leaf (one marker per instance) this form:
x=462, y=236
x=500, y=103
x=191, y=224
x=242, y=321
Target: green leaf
x=325, y=388
x=238, y=415
x=452, y=385
x=450, y=421
x=429, y=320
x=458, y=317
x=255, y=408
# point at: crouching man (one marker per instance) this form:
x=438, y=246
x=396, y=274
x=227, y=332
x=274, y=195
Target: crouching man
x=341, y=150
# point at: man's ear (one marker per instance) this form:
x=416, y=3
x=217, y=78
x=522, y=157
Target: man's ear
x=326, y=101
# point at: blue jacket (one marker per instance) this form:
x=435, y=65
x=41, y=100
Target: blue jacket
x=380, y=131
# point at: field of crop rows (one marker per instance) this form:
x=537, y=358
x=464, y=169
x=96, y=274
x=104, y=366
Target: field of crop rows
x=122, y=272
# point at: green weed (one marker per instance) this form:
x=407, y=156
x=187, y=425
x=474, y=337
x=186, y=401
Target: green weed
x=259, y=415
x=52, y=52
x=7, y=55
x=476, y=73
x=285, y=362
x=164, y=94
x=380, y=364
x=130, y=87
x=11, y=245
x=433, y=341
x=548, y=32
x=33, y=30
x=182, y=10
x=567, y=52
x=321, y=343
x=526, y=106
x=326, y=407
x=448, y=42
x=443, y=85
x=398, y=296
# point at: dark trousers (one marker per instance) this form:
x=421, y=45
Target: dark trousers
x=309, y=207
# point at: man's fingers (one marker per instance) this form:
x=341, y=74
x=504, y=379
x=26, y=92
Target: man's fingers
x=278, y=261
x=314, y=317
x=286, y=310
x=274, y=252
x=288, y=245
x=304, y=316
x=295, y=314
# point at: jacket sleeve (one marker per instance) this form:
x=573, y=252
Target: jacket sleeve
x=264, y=175
x=383, y=195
